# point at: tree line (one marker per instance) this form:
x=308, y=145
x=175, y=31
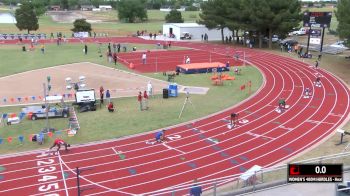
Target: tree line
x=256, y=18
x=260, y=18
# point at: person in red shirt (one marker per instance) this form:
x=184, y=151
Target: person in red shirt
x=110, y=107
x=58, y=142
x=145, y=99
x=139, y=99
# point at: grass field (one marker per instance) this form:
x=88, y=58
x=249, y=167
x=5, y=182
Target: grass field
x=155, y=21
x=13, y=60
x=101, y=124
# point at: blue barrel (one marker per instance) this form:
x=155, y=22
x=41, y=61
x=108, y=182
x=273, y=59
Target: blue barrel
x=172, y=90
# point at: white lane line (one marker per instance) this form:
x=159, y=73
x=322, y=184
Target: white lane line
x=319, y=122
x=172, y=148
x=287, y=128
x=116, y=152
x=64, y=179
x=257, y=135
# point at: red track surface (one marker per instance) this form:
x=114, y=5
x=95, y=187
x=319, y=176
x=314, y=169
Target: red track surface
x=267, y=139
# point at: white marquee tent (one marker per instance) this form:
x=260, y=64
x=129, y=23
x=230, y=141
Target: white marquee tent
x=196, y=30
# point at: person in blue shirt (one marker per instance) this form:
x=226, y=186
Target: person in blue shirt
x=160, y=136
x=108, y=96
x=195, y=190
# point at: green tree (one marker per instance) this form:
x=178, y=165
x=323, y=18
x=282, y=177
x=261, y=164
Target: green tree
x=26, y=17
x=64, y=4
x=214, y=15
x=343, y=16
x=73, y=4
x=235, y=20
x=271, y=17
x=40, y=6
x=132, y=10
x=174, y=16
x=80, y=25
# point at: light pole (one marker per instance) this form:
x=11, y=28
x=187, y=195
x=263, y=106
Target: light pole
x=46, y=93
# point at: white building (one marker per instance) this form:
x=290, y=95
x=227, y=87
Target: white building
x=7, y=18
x=194, y=29
x=105, y=7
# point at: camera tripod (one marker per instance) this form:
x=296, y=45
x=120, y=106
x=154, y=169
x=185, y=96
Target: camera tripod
x=185, y=103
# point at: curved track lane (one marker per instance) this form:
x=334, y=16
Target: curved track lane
x=205, y=149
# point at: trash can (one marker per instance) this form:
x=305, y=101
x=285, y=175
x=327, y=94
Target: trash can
x=173, y=90
x=165, y=93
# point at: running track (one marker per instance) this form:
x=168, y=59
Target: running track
x=129, y=166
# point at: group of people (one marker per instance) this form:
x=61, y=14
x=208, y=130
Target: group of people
x=110, y=105
x=143, y=100
x=204, y=37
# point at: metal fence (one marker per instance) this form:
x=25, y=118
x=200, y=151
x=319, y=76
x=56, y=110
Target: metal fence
x=258, y=180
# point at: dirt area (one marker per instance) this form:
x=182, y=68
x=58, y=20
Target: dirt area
x=28, y=84
x=71, y=16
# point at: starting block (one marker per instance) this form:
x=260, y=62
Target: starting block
x=306, y=96
x=318, y=84
x=286, y=106
x=229, y=126
x=151, y=143
x=244, y=121
x=278, y=110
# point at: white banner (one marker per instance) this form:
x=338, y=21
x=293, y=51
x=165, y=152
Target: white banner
x=81, y=34
x=315, y=41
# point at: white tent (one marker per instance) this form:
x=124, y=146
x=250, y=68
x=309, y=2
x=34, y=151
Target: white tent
x=7, y=18
x=194, y=29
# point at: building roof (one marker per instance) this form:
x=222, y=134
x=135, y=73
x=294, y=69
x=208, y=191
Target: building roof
x=87, y=6
x=191, y=25
x=105, y=6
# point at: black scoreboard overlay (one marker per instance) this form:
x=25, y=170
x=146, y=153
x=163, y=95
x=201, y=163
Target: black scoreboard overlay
x=315, y=173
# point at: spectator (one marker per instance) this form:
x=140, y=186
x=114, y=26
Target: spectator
x=110, y=107
x=108, y=96
x=228, y=65
x=114, y=47
x=101, y=94
x=85, y=49
x=316, y=64
x=149, y=88
x=42, y=48
x=115, y=58
x=195, y=190
x=118, y=47
x=139, y=99
x=94, y=34
x=145, y=100
x=109, y=48
x=144, y=58
x=188, y=60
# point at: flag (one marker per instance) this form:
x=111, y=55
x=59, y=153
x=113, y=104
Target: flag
x=21, y=138
x=243, y=87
